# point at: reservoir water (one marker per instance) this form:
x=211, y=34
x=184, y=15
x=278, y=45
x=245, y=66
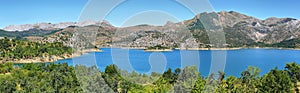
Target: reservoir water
x=144, y=62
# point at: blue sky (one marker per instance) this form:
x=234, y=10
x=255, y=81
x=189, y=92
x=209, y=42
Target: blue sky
x=54, y=11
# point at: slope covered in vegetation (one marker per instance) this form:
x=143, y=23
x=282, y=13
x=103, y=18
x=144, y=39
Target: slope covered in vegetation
x=13, y=49
x=62, y=78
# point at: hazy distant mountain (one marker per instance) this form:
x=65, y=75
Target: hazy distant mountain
x=240, y=30
x=49, y=25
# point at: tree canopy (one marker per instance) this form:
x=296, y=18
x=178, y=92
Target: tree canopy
x=51, y=77
x=13, y=49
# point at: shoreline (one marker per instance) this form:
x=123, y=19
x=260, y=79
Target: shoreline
x=77, y=54
x=211, y=49
x=158, y=50
x=271, y=48
x=235, y=48
x=52, y=58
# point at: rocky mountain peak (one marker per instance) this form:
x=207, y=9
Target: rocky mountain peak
x=274, y=21
x=54, y=26
x=239, y=29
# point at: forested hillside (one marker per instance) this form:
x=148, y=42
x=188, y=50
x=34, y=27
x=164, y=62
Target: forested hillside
x=14, y=50
x=50, y=77
x=31, y=32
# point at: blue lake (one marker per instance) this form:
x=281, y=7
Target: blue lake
x=235, y=61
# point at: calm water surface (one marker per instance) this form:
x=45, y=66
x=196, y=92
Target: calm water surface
x=236, y=60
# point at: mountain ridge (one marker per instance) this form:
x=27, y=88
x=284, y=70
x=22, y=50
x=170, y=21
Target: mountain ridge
x=60, y=25
x=240, y=31
x=45, y=26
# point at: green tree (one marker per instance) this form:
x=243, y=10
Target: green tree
x=250, y=79
x=8, y=84
x=276, y=81
x=293, y=70
x=233, y=85
x=199, y=86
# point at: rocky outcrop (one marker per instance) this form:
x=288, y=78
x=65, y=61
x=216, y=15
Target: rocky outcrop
x=50, y=25
x=239, y=29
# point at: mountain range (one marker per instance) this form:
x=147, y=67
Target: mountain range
x=239, y=30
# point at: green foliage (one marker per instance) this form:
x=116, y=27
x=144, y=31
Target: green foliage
x=8, y=84
x=186, y=80
x=250, y=79
x=158, y=47
x=50, y=77
x=292, y=43
x=11, y=49
x=91, y=80
x=199, y=86
x=31, y=32
x=40, y=78
x=233, y=85
x=276, y=81
x=5, y=68
x=293, y=70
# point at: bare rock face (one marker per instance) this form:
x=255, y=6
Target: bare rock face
x=19, y=27
x=239, y=30
x=50, y=26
